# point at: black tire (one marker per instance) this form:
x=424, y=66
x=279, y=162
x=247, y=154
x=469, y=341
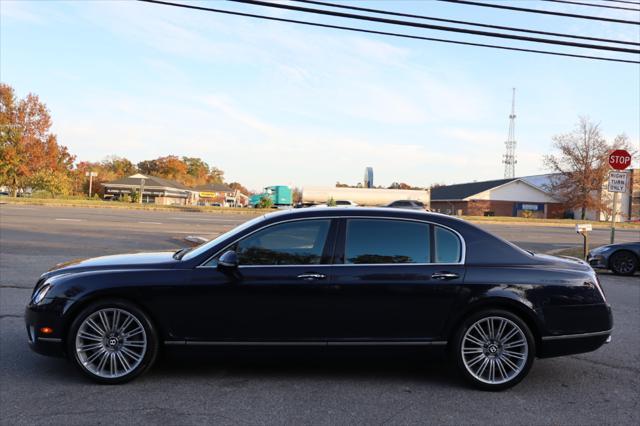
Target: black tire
x=623, y=262
x=497, y=351
x=147, y=355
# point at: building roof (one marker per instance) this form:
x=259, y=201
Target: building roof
x=149, y=181
x=214, y=187
x=464, y=190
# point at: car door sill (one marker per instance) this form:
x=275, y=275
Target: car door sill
x=309, y=343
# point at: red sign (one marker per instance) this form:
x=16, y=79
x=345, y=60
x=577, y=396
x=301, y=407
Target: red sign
x=620, y=159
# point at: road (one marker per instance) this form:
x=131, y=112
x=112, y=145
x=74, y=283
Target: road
x=245, y=387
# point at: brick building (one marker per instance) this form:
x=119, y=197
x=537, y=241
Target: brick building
x=502, y=197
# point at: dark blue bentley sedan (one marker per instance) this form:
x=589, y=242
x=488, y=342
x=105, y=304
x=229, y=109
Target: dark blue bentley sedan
x=324, y=277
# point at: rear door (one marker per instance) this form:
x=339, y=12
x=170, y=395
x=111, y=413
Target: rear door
x=394, y=279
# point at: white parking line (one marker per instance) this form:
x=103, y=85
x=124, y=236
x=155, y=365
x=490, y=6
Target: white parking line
x=152, y=223
x=70, y=220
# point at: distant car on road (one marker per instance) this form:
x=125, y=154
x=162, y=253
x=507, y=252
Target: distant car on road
x=407, y=204
x=326, y=277
x=621, y=258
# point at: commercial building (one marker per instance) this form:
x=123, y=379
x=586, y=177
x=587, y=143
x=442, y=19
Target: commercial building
x=502, y=197
x=219, y=193
x=154, y=190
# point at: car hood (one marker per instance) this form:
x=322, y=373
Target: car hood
x=635, y=247
x=163, y=259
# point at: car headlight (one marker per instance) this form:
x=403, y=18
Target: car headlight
x=40, y=295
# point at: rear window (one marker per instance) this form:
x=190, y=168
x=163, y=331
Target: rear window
x=386, y=241
x=447, y=244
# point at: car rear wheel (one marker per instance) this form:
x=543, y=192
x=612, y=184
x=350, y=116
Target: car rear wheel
x=112, y=342
x=494, y=349
x=624, y=263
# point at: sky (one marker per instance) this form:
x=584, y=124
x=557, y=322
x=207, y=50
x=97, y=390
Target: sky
x=277, y=103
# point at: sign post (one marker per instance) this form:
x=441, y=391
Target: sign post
x=142, y=181
x=618, y=160
x=584, y=229
x=91, y=176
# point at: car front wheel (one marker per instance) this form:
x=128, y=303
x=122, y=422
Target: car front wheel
x=494, y=349
x=112, y=342
x=624, y=263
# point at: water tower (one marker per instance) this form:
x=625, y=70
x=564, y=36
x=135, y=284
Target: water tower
x=368, y=177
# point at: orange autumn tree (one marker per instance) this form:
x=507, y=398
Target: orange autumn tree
x=30, y=155
x=190, y=171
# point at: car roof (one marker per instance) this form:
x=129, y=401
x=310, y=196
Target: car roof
x=360, y=212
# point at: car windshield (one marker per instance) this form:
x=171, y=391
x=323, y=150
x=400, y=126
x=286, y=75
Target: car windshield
x=197, y=251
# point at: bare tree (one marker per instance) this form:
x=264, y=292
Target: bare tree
x=581, y=165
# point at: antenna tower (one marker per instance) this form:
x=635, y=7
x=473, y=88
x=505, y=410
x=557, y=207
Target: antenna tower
x=509, y=158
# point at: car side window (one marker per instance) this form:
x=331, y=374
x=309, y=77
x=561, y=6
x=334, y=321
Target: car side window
x=448, y=248
x=386, y=241
x=291, y=243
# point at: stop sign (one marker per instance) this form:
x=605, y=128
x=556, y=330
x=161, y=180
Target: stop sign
x=620, y=159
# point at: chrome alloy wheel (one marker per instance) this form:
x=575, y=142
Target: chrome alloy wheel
x=494, y=350
x=111, y=343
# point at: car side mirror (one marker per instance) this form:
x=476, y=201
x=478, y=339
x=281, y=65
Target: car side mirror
x=228, y=261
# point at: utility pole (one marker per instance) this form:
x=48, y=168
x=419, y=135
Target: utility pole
x=509, y=158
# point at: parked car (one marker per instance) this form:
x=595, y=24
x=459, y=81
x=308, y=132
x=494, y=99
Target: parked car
x=621, y=258
x=322, y=277
x=407, y=204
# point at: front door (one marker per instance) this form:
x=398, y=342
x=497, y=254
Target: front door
x=278, y=292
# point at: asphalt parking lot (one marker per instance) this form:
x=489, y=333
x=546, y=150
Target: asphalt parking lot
x=302, y=387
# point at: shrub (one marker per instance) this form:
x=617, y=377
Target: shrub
x=527, y=214
x=265, y=203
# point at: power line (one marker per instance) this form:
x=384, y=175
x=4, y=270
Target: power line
x=454, y=21
x=592, y=5
x=435, y=27
x=545, y=12
x=414, y=37
x=637, y=3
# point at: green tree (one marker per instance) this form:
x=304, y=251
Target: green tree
x=196, y=168
x=52, y=181
x=265, y=203
x=215, y=175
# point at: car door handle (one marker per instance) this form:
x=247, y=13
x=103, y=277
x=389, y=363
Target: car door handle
x=312, y=276
x=444, y=276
